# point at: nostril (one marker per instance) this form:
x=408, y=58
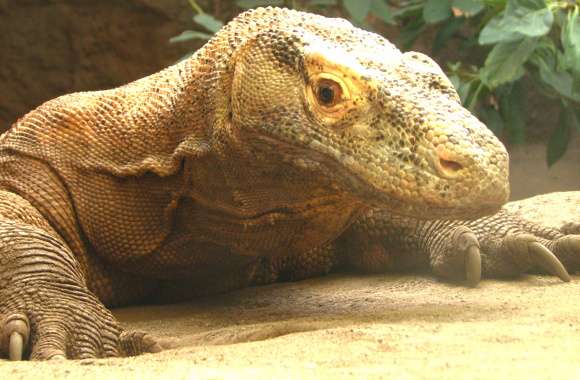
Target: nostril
x=446, y=164
x=450, y=166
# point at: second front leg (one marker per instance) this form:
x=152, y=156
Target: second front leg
x=501, y=245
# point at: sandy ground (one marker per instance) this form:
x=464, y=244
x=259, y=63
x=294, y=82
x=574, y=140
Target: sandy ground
x=354, y=327
x=351, y=327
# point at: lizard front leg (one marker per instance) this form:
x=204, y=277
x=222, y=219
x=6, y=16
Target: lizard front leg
x=46, y=309
x=501, y=245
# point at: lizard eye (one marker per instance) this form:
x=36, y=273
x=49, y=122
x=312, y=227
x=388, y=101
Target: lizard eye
x=328, y=92
x=329, y=96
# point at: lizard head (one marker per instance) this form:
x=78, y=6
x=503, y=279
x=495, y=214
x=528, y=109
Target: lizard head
x=385, y=126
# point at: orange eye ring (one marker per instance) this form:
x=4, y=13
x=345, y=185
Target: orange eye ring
x=329, y=96
x=328, y=93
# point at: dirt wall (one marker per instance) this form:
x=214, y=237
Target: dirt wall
x=49, y=47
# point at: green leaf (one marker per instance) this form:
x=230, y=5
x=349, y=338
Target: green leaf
x=468, y=7
x=436, y=11
x=495, y=3
x=521, y=18
x=381, y=10
x=492, y=119
x=512, y=108
x=570, y=38
x=496, y=30
x=474, y=97
x=189, y=35
x=446, y=32
x=455, y=81
x=545, y=54
x=558, y=142
x=463, y=88
x=208, y=22
x=409, y=34
x=247, y=4
x=505, y=62
x=408, y=10
x=320, y=2
x=358, y=9
x=554, y=72
x=561, y=81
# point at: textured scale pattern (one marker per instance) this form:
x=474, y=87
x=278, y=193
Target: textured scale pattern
x=231, y=169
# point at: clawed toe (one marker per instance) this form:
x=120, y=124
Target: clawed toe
x=526, y=251
x=15, y=346
x=15, y=334
x=459, y=257
x=546, y=260
x=137, y=342
x=467, y=243
x=473, y=266
x=514, y=254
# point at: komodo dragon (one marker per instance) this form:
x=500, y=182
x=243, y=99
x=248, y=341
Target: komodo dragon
x=289, y=145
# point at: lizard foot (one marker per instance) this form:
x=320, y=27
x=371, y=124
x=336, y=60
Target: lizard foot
x=571, y=228
x=469, y=254
x=44, y=323
x=137, y=342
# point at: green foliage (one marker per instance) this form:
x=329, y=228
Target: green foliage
x=513, y=47
x=519, y=20
x=358, y=9
x=247, y=4
x=468, y=7
x=436, y=11
x=505, y=62
x=190, y=35
x=560, y=137
x=209, y=22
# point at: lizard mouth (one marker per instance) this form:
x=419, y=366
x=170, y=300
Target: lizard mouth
x=381, y=195
x=420, y=208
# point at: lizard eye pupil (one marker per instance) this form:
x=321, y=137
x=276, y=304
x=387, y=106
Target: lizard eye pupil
x=328, y=93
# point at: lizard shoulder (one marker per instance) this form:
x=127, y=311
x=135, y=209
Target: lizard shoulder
x=145, y=126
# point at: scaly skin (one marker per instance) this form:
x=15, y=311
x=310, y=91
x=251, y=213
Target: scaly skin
x=288, y=145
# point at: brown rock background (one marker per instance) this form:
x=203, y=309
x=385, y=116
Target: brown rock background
x=52, y=47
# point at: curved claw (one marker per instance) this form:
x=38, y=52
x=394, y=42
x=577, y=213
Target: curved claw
x=473, y=266
x=15, y=335
x=543, y=257
x=15, y=346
